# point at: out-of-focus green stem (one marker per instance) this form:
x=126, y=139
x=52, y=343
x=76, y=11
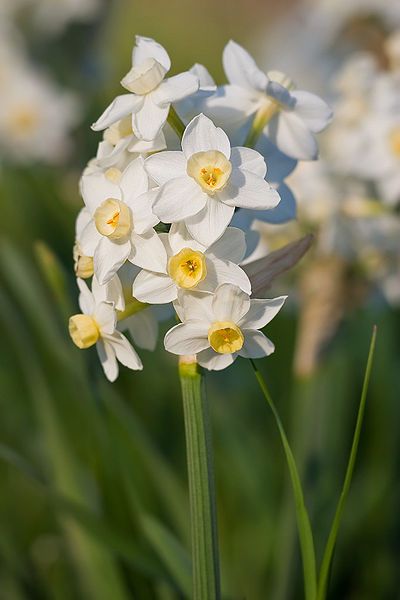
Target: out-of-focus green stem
x=261, y=119
x=206, y=578
x=176, y=122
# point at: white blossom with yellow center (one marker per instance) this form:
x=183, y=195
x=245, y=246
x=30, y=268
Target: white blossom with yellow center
x=202, y=185
x=121, y=222
x=221, y=326
x=288, y=117
x=151, y=94
x=96, y=325
x=192, y=266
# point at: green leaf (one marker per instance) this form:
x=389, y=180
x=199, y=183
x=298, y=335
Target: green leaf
x=303, y=519
x=331, y=543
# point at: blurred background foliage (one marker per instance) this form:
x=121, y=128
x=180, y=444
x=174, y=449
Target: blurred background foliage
x=93, y=500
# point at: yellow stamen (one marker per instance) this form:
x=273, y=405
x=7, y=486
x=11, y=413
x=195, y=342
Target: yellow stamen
x=187, y=268
x=210, y=169
x=113, y=219
x=225, y=337
x=83, y=330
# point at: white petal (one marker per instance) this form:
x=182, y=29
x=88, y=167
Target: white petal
x=95, y=188
x=292, y=137
x=312, y=110
x=148, y=252
x=143, y=218
x=108, y=360
x=212, y=361
x=148, y=48
x=187, y=338
x=109, y=257
x=256, y=345
x=230, y=246
x=210, y=223
x=246, y=190
x=175, y=88
x=109, y=292
x=219, y=272
x=202, y=135
x=284, y=212
x=230, y=303
x=203, y=75
x=118, y=109
x=105, y=316
x=241, y=68
x=261, y=312
x=124, y=351
x=179, y=238
x=149, y=120
x=154, y=288
x=178, y=199
x=195, y=306
x=86, y=299
x=134, y=180
x=251, y=160
x=90, y=239
x=165, y=166
x=84, y=217
x=143, y=328
x=231, y=106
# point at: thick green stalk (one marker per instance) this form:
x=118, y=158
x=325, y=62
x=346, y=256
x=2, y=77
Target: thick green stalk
x=206, y=578
x=261, y=119
x=331, y=543
x=303, y=520
x=176, y=122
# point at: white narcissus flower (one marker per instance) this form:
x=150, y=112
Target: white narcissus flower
x=121, y=224
x=219, y=327
x=151, y=94
x=97, y=325
x=292, y=116
x=191, y=266
x=202, y=185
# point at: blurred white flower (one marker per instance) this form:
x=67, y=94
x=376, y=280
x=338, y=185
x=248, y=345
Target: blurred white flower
x=97, y=325
x=151, y=93
x=219, y=327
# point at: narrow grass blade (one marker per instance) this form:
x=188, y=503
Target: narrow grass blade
x=331, y=543
x=206, y=579
x=303, y=520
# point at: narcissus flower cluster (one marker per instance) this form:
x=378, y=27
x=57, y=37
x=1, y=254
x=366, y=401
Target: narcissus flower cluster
x=160, y=232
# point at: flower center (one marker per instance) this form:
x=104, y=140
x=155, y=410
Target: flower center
x=83, y=265
x=225, y=337
x=83, y=330
x=144, y=78
x=113, y=219
x=187, y=268
x=394, y=141
x=24, y=120
x=113, y=174
x=119, y=130
x=210, y=169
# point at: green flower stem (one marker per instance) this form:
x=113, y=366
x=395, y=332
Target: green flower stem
x=303, y=520
x=206, y=578
x=176, y=122
x=331, y=543
x=261, y=119
x=131, y=308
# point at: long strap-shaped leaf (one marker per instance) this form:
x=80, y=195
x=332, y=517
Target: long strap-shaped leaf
x=331, y=543
x=303, y=520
